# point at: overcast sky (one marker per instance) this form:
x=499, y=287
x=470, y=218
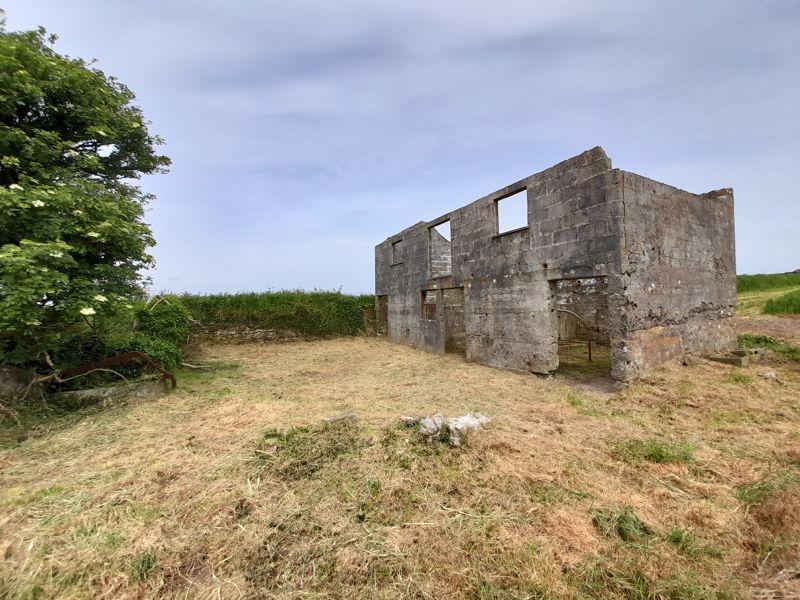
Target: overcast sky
x=304, y=133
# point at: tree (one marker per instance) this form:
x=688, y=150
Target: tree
x=73, y=242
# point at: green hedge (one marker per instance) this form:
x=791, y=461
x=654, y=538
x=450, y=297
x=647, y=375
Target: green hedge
x=314, y=313
x=758, y=283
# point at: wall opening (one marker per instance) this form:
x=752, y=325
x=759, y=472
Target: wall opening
x=398, y=252
x=512, y=212
x=581, y=306
x=455, y=332
x=382, y=315
x=428, y=301
x=440, y=250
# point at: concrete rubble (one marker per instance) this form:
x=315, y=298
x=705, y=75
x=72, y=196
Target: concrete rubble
x=343, y=419
x=455, y=430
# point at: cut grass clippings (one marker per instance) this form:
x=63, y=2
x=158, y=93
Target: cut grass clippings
x=231, y=487
x=620, y=521
x=755, y=493
x=653, y=450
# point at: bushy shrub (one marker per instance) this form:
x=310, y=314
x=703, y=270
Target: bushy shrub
x=165, y=318
x=155, y=329
x=163, y=352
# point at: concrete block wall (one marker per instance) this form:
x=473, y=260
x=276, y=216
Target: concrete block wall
x=585, y=220
x=440, y=255
x=679, y=272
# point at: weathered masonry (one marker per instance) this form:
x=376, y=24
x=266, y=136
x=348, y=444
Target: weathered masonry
x=641, y=268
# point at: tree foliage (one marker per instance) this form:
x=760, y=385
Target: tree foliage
x=73, y=241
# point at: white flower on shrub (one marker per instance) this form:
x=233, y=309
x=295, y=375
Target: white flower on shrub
x=88, y=310
x=15, y=186
x=37, y=203
x=57, y=254
x=93, y=234
x=100, y=298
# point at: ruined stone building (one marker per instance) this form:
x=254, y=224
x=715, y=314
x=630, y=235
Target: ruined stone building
x=643, y=269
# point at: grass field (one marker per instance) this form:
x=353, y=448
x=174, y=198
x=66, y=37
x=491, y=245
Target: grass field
x=763, y=282
x=682, y=486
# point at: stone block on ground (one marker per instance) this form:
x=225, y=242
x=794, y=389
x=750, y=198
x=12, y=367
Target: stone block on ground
x=344, y=419
x=729, y=359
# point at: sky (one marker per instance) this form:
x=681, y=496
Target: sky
x=303, y=133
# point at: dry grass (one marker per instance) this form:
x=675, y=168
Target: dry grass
x=229, y=487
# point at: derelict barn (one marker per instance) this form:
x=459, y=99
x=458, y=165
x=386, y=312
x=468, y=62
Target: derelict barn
x=643, y=270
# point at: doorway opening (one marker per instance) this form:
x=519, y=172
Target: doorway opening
x=581, y=307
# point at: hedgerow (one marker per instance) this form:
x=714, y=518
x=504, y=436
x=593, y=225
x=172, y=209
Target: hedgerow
x=314, y=313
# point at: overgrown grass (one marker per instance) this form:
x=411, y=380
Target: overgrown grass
x=314, y=313
x=761, y=282
x=788, y=303
x=777, y=346
x=654, y=451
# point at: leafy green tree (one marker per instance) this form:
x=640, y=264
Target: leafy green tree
x=72, y=238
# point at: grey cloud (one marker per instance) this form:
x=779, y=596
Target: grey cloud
x=302, y=133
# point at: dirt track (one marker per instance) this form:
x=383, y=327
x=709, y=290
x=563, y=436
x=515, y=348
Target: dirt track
x=786, y=328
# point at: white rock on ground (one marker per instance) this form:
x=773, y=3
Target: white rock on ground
x=431, y=426
x=461, y=428
x=458, y=429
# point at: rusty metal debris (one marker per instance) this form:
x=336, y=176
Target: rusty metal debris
x=125, y=357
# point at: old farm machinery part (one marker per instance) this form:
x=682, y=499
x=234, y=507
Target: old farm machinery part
x=123, y=358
